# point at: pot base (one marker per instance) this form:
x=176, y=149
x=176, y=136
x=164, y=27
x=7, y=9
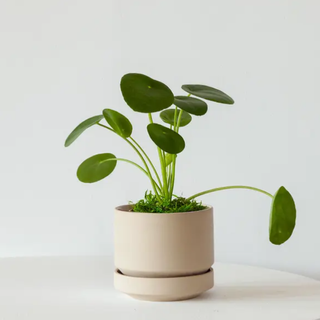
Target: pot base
x=161, y=298
x=164, y=289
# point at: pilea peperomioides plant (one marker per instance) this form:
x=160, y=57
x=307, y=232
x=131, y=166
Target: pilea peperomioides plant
x=146, y=95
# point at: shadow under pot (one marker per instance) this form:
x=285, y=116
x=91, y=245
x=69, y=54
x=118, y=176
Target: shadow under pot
x=163, y=256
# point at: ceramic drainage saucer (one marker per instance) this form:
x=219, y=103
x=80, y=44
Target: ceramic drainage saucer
x=164, y=289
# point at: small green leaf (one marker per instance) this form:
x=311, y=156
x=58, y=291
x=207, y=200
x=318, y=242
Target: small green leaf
x=144, y=94
x=118, y=122
x=168, y=117
x=208, y=93
x=96, y=167
x=282, y=217
x=80, y=128
x=192, y=105
x=166, y=139
x=169, y=158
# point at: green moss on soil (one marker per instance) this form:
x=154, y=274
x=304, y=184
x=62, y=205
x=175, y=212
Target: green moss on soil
x=151, y=204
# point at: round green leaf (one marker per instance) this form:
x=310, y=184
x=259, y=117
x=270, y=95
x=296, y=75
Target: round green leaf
x=192, y=105
x=166, y=139
x=282, y=217
x=144, y=94
x=118, y=122
x=96, y=168
x=208, y=93
x=80, y=128
x=168, y=117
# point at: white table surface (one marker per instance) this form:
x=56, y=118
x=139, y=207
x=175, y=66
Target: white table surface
x=78, y=288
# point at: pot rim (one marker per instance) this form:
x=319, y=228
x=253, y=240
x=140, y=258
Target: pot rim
x=124, y=208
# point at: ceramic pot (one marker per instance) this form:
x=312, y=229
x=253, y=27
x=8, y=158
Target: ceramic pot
x=163, y=256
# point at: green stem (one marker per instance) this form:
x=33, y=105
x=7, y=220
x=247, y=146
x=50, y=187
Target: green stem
x=141, y=157
x=179, y=120
x=175, y=118
x=163, y=167
x=135, y=164
x=230, y=187
x=164, y=173
x=102, y=125
x=146, y=165
x=173, y=165
x=173, y=173
x=154, y=169
x=168, y=173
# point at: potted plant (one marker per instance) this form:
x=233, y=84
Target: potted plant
x=164, y=243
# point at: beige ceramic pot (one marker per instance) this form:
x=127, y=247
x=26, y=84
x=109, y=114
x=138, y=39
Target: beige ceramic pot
x=163, y=256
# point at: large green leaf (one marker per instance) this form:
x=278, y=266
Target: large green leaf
x=282, y=217
x=168, y=117
x=208, y=93
x=166, y=139
x=192, y=105
x=80, y=128
x=96, y=167
x=144, y=94
x=120, y=124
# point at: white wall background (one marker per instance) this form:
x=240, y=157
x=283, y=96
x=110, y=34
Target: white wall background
x=61, y=62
